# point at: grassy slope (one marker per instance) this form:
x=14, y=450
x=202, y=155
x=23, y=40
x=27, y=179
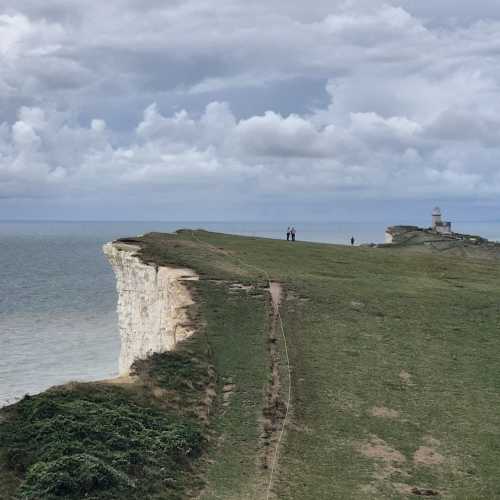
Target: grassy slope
x=374, y=328
x=235, y=326
x=412, y=335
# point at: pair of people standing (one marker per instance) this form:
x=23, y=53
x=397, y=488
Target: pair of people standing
x=290, y=233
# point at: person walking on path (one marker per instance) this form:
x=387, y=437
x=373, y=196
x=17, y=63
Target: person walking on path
x=292, y=231
x=352, y=240
x=288, y=234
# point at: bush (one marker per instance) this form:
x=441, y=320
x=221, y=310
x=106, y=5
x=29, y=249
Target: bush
x=94, y=441
x=173, y=371
x=75, y=476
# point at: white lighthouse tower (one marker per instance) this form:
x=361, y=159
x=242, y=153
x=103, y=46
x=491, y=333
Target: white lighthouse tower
x=437, y=222
x=437, y=219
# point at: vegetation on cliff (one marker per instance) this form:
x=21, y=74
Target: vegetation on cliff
x=394, y=382
x=103, y=440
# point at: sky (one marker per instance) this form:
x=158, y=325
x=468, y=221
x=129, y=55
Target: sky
x=360, y=110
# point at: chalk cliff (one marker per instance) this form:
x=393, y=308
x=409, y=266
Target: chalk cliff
x=152, y=303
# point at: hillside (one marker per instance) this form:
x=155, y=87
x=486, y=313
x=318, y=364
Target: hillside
x=394, y=384
x=425, y=240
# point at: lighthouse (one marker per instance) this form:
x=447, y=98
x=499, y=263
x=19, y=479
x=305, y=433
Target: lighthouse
x=436, y=218
x=437, y=222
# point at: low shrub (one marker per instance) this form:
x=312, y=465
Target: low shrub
x=97, y=441
x=176, y=370
x=73, y=476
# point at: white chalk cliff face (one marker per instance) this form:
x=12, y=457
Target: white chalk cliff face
x=152, y=303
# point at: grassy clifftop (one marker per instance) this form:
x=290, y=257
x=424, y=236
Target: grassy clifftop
x=394, y=383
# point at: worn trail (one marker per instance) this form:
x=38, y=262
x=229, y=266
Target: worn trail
x=275, y=290
x=276, y=294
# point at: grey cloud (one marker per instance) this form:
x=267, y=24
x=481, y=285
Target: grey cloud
x=451, y=12
x=358, y=98
x=465, y=125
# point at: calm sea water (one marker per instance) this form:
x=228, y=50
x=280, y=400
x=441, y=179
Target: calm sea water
x=58, y=298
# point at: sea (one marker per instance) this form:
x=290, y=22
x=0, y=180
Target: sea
x=58, y=319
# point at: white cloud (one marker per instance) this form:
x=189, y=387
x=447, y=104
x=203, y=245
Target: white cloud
x=179, y=128
x=274, y=135
x=21, y=36
x=368, y=156
x=98, y=125
x=24, y=136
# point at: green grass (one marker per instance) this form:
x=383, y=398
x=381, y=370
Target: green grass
x=394, y=358
x=237, y=334
x=378, y=328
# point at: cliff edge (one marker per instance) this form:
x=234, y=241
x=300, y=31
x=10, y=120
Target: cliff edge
x=152, y=303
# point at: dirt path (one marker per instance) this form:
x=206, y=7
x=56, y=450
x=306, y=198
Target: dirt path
x=277, y=403
x=276, y=292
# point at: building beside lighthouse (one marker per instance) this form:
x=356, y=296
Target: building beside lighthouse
x=438, y=225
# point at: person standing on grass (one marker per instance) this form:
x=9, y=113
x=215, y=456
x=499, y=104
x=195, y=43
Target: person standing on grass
x=292, y=231
x=288, y=234
x=352, y=240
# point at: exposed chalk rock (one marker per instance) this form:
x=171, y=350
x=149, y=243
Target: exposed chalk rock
x=152, y=303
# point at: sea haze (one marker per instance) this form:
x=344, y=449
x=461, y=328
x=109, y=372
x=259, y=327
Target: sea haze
x=57, y=297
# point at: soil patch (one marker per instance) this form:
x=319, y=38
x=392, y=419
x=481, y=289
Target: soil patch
x=240, y=286
x=382, y=411
x=389, y=459
x=405, y=377
x=121, y=380
x=227, y=392
x=426, y=455
x=378, y=449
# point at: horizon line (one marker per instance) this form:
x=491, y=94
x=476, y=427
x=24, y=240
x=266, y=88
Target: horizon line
x=226, y=221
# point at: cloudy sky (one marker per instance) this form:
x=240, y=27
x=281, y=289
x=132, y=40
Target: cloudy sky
x=231, y=109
